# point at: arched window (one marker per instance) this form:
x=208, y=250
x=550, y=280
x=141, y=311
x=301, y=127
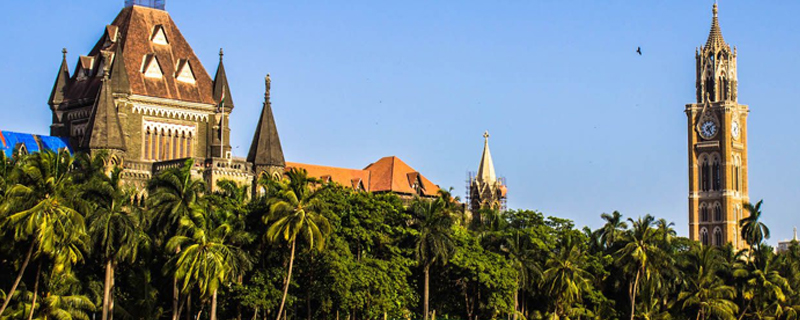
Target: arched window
x=717, y=212
x=704, y=236
x=723, y=87
x=704, y=170
x=718, y=237
x=703, y=213
x=189, y=152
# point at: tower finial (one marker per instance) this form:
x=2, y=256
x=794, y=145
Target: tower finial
x=64, y=52
x=221, y=54
x=715, y=9
x=268, y=85
x=486, y=135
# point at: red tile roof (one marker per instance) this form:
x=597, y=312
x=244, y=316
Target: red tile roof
x=136, y=25
x=389, y=174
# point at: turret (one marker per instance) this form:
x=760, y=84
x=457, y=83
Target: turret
x=716, y=67
x=266, y=153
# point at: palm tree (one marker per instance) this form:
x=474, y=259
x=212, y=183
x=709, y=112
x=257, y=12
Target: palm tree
x=566, y=280
x=296, y=211
x=38, y=208
x=764, y=288
x=434, y=242
x=208, y=257
x=115, y=226
x=640, y=257
x=753, y=230
x=612, y=230
x=173, y=194
x=704, y=290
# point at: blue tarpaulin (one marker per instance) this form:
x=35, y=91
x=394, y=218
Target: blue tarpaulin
x=12, y=141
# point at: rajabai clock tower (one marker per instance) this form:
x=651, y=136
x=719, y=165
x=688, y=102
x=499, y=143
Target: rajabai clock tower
x=717, y=127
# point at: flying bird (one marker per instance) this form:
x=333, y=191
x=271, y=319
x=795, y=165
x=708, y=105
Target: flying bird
x=639, y=50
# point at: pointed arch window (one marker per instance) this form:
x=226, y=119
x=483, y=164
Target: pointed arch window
x=703, y=213
x=716, y=174
x=717, y=212
x=704, y=236
x=718, y=237
x=704, y=174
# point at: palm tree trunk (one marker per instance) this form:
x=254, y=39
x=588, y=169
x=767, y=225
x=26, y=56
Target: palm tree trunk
x=288, y=280
x=427, y=271
x=107, y=290
x=632, y=293
x=516, y=304
x=113, y=288
x=35, y=289
x=19, y=278
x=214, y=305
x=175, y=294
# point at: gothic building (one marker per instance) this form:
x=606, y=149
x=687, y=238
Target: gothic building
x=486, y=190
x=142, y=95
x=717, y=131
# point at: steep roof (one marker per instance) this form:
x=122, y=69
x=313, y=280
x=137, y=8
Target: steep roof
x=266, y=146
x=135, y=29
x=390, y=174
x=221, y=85
x=60, y=86
x=104, y=130
x=486, y=169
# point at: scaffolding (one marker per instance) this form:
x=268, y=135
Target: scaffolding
x=155, y=4
x=471, y=176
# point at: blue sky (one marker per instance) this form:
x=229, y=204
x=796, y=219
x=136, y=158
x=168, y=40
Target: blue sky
x=580, y=124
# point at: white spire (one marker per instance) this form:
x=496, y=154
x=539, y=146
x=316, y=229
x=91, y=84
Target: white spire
x=486, y=169
x=795, y=234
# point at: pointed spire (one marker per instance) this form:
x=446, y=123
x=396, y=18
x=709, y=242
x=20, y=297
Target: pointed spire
x=119, y=74
x=486, y=169
x=266, y=147
x=60, y=86
x=104, y=130
x=795, y=234
x=715, y=39
x=221, y=84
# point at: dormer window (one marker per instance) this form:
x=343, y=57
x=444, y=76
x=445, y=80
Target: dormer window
x=150, y=66
x=111, y=35
x=159, y=37
x=184, y=71
x=85, y=66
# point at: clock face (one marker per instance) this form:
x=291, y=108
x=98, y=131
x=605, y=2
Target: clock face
x=708, y=129
x=735, y=130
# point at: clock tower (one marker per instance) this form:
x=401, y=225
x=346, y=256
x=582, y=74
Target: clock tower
x=717, y=130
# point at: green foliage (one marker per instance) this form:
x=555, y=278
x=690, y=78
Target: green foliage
x=74, y=237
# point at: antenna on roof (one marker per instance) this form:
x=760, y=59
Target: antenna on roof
x=155, y=4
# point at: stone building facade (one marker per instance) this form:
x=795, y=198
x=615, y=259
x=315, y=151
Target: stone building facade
x=717, y=132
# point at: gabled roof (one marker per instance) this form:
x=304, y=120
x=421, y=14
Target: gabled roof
x=9, y=141
x=136, y=25
x=390, y=174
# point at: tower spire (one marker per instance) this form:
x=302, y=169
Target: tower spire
x=60, y=86
x=266, y=151
x=486, y=169
x=715, y=39
x=221, y=84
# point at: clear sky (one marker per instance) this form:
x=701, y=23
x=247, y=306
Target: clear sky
x=580, y=124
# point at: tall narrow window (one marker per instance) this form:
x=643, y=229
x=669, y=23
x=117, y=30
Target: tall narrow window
x=189, y=146
x=704, y=170
x=718, y=237
x=174, y=145
x=717, y=176
x=704, y=213
x=717, y=213
x=147, y=144
x=704, y=236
